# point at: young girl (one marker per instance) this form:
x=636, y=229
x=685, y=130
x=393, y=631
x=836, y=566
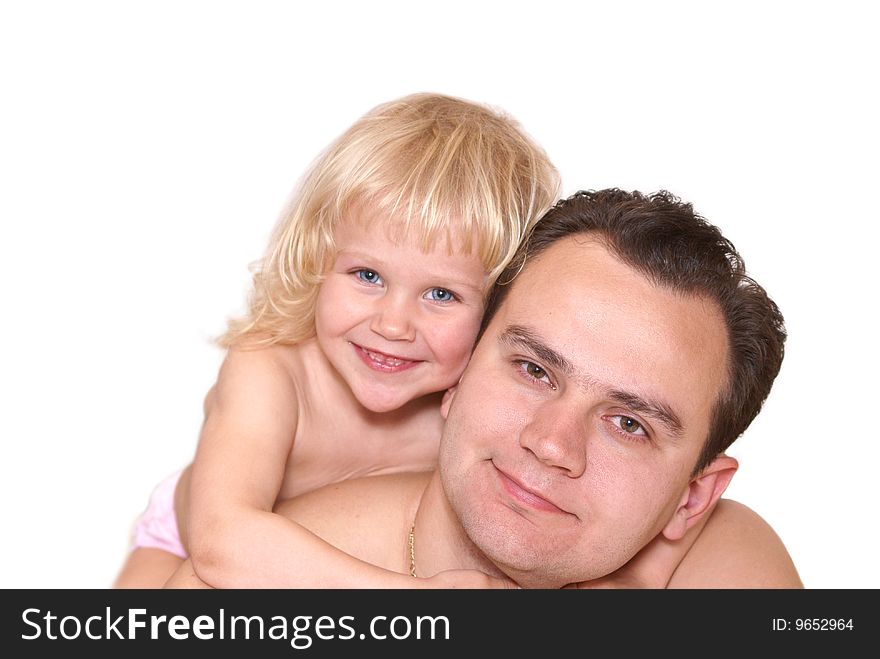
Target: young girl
x=364, y=311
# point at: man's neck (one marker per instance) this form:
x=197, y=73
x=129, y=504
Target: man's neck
x=439, y=540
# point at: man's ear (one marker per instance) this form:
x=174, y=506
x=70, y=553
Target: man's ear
x=701, y=494
x=447, y=400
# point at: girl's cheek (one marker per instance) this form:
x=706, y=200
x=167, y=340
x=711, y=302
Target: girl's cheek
x=455, y=340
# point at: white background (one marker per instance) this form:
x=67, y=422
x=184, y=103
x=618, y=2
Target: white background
x=146, y=150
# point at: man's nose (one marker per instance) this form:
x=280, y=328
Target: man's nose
x=393, y=319
x=556, y=435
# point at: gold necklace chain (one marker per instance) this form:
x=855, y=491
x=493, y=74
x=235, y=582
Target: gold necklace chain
x=412, y=552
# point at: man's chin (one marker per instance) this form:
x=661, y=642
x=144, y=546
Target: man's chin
x=526, y=569
x=531, y=581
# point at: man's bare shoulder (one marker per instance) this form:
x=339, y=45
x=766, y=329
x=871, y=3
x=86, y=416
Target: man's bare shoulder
x=371, y=496
x=361, y=516
x=736, y=549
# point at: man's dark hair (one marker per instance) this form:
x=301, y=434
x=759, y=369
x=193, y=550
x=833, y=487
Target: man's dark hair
x=661, y=237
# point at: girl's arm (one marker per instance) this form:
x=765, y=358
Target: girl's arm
x=653, y=566
x=736, y=549
x=730, y=548
x=234, y=538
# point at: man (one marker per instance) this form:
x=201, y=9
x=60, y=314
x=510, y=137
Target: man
x=621, y=354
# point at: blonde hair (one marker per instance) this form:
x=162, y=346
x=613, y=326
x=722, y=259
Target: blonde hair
x=440, y=166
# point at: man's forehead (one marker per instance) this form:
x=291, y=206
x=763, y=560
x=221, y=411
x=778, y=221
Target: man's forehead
x=579, y=267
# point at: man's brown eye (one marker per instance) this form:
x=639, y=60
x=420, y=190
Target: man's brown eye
x=629, y=425
x=535, y=371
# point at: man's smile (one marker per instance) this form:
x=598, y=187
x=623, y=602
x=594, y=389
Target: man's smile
x=526, y=496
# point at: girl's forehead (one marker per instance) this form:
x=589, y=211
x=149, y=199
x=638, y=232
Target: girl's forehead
x=363, y=222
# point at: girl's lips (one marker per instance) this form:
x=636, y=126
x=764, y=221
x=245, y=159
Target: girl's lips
x=383, y=362
x=526, y=497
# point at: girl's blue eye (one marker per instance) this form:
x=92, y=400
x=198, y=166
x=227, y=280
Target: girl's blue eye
x=441, y=295
x=368, y=276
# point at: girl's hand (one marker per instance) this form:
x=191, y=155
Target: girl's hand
x=652, y=567
x=464, y=579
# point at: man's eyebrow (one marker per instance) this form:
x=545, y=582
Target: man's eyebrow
x=517, y=335
x=652, y=408
x=522, y=337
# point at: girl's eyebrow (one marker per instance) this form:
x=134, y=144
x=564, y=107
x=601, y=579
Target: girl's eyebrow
x=356, y=254
x=524, y=338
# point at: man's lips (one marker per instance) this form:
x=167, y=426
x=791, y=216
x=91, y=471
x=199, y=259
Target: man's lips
x=383, y=362
x=525, y=496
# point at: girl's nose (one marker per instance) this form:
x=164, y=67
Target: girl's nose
x=393, y=320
